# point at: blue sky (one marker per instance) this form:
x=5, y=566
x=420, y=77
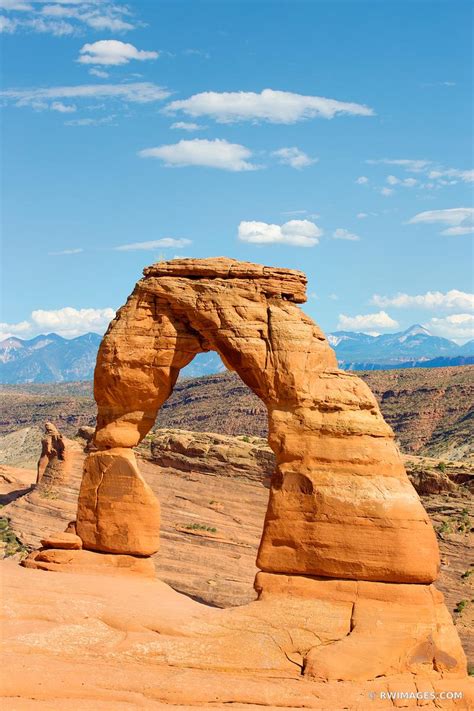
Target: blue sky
x=329, y=136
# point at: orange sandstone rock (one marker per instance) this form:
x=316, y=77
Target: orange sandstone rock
x=88, y=562
x=67, y=541
x=54, y=464
x=340, y=504
x=117, y=510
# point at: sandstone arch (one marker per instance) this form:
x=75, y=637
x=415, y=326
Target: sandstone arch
x=341, y=505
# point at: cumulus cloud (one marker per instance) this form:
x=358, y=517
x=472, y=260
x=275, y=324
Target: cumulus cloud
x=342, y=233
x=44, y=98
x=459, y=219
x=67, y=322
x=113, y=53
x=63, y=108
x=404, y=182
x=270, y=106
x=362, y=215
x=386, y=192
x=294, y=157
x=218, y=153
x=164, y=242
x=93, y=71
x=298, y=233
x=453, y=299
x=366, y=322
x=458, y=327
x=362, y=180
x=186, y=126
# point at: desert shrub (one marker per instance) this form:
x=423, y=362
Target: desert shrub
x=200, y=527
x=460, y=606
x=7, y=536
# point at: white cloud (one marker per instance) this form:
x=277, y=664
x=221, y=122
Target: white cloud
x=164, y=242
x=6, y=25
x=299, y=233
x=78, y=250
x=218, y=153
x=104, y=121
x=17, y=5
x=112, y=53
x=69, y=17
x=453, y=299
x=458, y=327
x=414, y=166
x=362, y=180
x=63, y=108
x=21, y=329
x=342, y=233
x=437, y=175
x=456, y=231
x=98, y=73
x=459, y=219
x=362, y=215
x=364, y=322
x=466, y=176
x=68, y=322
x=294, y=157
x=186, y=126
x=404, y=182
x=271, y=106
x=40, y=99
x=386, y=192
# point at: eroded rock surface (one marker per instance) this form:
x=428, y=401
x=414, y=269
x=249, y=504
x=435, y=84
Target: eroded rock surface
x=242, y=457
x=340, y=502
x=54, y=464
x=343, y=520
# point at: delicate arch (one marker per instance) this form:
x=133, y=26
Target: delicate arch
x=340, y=503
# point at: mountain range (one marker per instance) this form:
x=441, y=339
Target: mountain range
x=51, y=358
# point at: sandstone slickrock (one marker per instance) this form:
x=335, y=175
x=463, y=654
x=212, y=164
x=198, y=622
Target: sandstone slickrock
x=54, y=464
x=218, y=455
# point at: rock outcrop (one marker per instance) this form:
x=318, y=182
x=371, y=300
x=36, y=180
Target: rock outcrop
x=54, y=464
x=244, y=457
x=342, y=515
x=340, y=502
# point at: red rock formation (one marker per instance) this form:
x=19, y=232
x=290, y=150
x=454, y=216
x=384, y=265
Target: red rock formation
x=54, y=463
x=341, y=505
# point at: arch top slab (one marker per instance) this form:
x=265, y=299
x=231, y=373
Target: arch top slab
x=340, y=503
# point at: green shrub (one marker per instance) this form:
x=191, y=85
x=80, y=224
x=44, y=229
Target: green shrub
x=460, y=606
x=12, y=543
x=200, y=527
